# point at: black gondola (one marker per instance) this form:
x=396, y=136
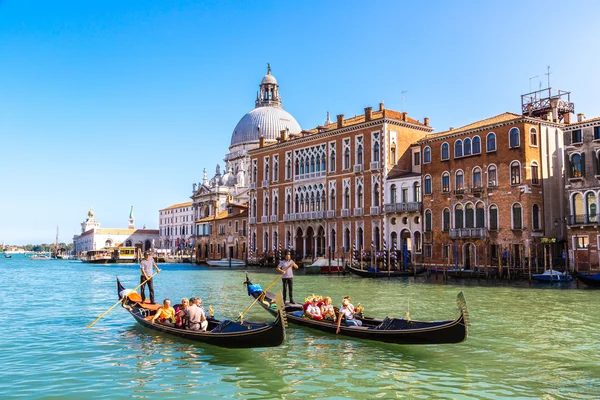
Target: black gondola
x=363, y=273
x=230, y=334
x=592, y=280
x=389, y=330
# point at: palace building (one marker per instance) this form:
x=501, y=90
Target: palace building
x=176, y=227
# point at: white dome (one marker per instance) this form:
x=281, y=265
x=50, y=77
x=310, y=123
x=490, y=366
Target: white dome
x=264, y=121
x=269, y=79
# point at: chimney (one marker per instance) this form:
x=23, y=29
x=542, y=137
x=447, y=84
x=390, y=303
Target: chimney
x=368, y=111
x=404, y=116
x=381, y=106
x=426, y=121
x=451, y=128
x=567, y=118
x=340, y=120
x=283, y=135
x=261, y=141
x=580, y=117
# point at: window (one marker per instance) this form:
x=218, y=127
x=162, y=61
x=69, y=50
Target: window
x=517, y=217
x=427, y=220
x=592, y=210
x=446, y=220
x=393, y=194
x=288, y=169
x=312, y=164
x=459, y=180
x=417, y=242
x=445, y=151
x=513, y=138
x=359, y=155
x=347, y=198
x=533, y=137
x=476, y=145
x=427, y=183
x=491, y=142
x=332, y=162
x=445, y=251
x=445, y=182
x=577, y=166
x=393, y=153
x=479, y=216
x=275, y=168
x=359, y=197
x=427, y=155
x=458, y=148
x=376, y=195
x=347, y=158
x=492, y=176
x=417, y=158
x=477, y=177
x=535, y=179
x=535, y=217
x=580, y=242
x=469, y=216
x=458, y=216
x=404, y=195
x=427, y=251
x=515, y=173
x=417, y=192
x=467, y=147
x=332, y=200
x=493, y=217
x=597, y=133
x=576, y=136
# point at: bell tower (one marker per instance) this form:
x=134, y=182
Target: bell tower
x=269, y=91
x=131, y=219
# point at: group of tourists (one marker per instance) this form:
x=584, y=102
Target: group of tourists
x=189, y=314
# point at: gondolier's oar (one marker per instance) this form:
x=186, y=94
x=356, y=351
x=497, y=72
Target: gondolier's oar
x=114, y=305
x=259, y=296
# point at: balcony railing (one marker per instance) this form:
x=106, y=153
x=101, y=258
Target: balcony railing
x=583, y=219
x=264, y=219
x=374, y=210
x=345, y=212
x=402, y=207
x=460, y=191
x=477, y=189
x=358, y=212
x=358, y=168
x=265, y=183
x=310, y=175
x=331, y=214
x=252, y=220
x=303, y=216
x=252, y=185
x=374, y=165
x=467, y=233
x=273, y=218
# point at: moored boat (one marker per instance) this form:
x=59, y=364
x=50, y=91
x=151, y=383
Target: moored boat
x=7, y=255
x=377, y=273
x=551, y=275
x=324, y=266
x=40, y=256
x=592, y=280
x=389, y=330
x=124, y=255
x=102, y=256
x=227, y=333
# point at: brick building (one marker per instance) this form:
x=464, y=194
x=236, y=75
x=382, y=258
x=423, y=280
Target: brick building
x=492, y=186
x=582, y=141
x=324, y=188
x=223, y=235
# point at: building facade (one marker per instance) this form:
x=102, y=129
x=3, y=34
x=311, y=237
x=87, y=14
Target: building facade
x=322, y=190
x=224, y=235
x=176, y=227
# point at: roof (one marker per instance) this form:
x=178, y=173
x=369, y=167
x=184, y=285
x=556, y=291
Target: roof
x=224, y=214
x=507, y=116
x=186, y=204
x=118, y=231
x=396, y=172
x=587, y=121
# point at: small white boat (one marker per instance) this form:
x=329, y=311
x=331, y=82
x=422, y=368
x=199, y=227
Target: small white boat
x=40, y=257
x=226, y=262
x=551, y=275
x=324, y=266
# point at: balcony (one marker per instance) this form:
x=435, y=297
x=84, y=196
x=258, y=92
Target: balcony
x=252, y=220
x=402, y=207
x=582, y=219
x=358, y=212
x=265, y=183
x=346, y=212
x=273, y=218
x=289, y=217
x=358, y=168
x=460, y=191
x=264, y=219
x=375, y=166
x=252, y=185
x=310, y=175
x=471, y=233
x=374, y=211
x=331, y=214
x=477, y=190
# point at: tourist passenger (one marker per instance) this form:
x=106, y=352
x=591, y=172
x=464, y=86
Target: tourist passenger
x=180, y=320
x=146, y=267
x=327, y=310
x=195, y=316
x=165, y=314
x=285, y=267
x=313, y=310
x=347, y=312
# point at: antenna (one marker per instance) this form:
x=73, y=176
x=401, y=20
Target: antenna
x=402, y=97
x=548, y=74
x=533, y=77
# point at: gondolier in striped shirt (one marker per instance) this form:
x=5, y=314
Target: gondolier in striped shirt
x=146, y=266
x=285, y=267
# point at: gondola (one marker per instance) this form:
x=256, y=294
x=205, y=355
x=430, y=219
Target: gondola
x=592, y=280
x=373, y=273
x=552, y=276
x=229, y=334
x=388, y=330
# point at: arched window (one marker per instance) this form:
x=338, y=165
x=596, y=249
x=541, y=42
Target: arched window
x=479, y=215
x=347, y=158
x=266, y=242
x=288, y=169
x=467, y=147
x=491, y=142
x=359, y=238
x=332, y=162
x=446, y=220
x=493, y=217
x=417, y=192
x=302, y=203
x=359, y=197
x=577, y=166
x=492, y=176
x=517, y=216
x=393, y=194
x=476, y=145
x=297, y=204
x=427, y=183
x=458, y=148
x=312, y=164
x=359, y=155
x=347, y=198
x=312, y=202
x=417, y=242
x=266, y=209
x=302, y=167
x=332, y=200
x=533, y=138
x=458, y=217
x=476, y=177
x=578, y=209
x=376, y=152
x=445, y=182
x=346, y=239
x=427, y=155
x=591, y=207
x=515, y=173
x=535, y=216
x=306, y=165
x=393, y=153
x=535, y=178
x=427, y=220
x=404, y=193
x=323, y=198
x=297, y=168
x=469, y=216
x=323, y=162
x=445, y=151
x=459, y=180
x=513, y=138
x=318, y=203
x=254, y=208
x=318, y=164
x=376, y=195
x=275, y=205
x=288, y=204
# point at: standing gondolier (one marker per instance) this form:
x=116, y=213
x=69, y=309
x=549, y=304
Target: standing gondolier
x=146, y=266
x=285, y=267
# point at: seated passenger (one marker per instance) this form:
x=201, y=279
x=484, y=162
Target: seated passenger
x=347, y=313
x=327, y=310
x=180, y=319
x=165, y=314
x=195, y=316
x=313, y=310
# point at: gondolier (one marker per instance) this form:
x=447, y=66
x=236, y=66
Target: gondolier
x=146, y=266
x=285, y=267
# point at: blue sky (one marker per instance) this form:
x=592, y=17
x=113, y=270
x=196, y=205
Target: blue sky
x=117, y=103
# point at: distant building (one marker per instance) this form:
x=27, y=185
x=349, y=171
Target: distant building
x=93, y=237
x=223, y=235
x=176, y=227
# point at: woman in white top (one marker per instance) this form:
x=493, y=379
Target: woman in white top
x=347, y=311
x=313, y=310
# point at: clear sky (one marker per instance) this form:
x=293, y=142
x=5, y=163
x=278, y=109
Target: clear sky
x=118, y=103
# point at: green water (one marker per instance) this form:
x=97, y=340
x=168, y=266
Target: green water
x=524, y=342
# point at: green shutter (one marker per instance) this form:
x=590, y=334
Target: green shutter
x=568, y=167
x=595, y=161
x=583, y=164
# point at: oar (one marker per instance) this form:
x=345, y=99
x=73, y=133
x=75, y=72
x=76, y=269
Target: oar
x=258, y=297
x=114, y=305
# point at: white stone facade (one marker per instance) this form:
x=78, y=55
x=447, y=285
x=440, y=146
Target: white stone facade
x=176, y=227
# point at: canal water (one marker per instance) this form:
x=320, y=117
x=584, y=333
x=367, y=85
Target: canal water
x=524, y=342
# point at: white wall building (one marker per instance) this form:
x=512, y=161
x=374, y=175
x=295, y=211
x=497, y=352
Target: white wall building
x=176, y=227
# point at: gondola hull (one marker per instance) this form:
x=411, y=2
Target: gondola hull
x=589, y=280
x=226, y=334
x=401, y=331
x=383, y=274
